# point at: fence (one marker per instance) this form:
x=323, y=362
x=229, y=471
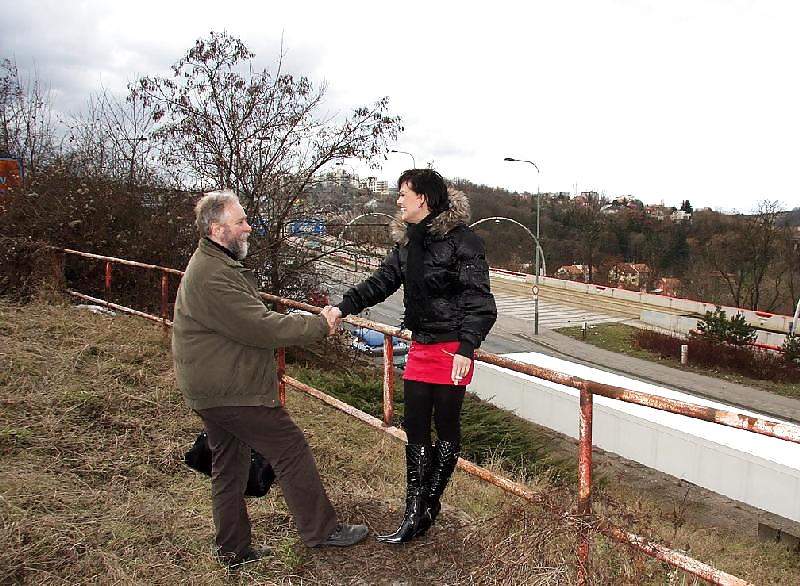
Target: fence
x=582, y=518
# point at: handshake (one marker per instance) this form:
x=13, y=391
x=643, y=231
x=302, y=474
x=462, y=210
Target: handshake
x=333, y=317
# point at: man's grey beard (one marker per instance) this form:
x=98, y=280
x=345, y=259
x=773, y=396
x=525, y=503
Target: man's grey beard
x=239, y=248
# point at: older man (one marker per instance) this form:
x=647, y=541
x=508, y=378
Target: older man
x=223, y=345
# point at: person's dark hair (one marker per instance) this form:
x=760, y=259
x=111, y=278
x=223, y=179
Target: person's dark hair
x=429, y=183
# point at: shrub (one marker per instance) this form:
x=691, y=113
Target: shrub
x=718, y=327
x=750, y=362
x=791, y=349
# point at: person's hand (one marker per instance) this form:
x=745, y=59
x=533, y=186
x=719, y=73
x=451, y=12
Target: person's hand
x=330, y=315
x=337, y=315
x=461, y=366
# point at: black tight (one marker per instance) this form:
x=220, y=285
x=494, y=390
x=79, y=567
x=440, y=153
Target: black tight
x=442, y=401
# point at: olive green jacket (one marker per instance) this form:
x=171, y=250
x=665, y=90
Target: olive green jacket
x=223, y=336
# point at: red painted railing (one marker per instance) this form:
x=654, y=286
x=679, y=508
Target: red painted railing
x=582, y=518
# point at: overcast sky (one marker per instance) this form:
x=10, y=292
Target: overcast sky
x=662, y=100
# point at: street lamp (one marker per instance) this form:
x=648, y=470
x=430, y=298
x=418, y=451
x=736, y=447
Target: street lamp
x=413, y=161
x=352, y=179
x=339, y=239
x=538, y=200
x=539, y=253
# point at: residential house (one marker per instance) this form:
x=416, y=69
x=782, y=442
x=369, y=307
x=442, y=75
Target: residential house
x=631, y=276
x=668, y=286
x=578, y=273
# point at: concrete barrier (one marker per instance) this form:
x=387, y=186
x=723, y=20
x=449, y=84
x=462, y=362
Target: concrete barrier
x=775, y=322
x=625, y=295
x=682, y=325
x=761, y=471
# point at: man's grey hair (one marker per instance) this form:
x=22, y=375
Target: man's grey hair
x=211, y=208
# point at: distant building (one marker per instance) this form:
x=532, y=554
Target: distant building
x=586, y=197
x=578, y=273
x=382, y=187
x=631, y=276
x=681, y=216
x=668, y=286
x=659, y=212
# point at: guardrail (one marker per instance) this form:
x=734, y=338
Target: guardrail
x=582, y=518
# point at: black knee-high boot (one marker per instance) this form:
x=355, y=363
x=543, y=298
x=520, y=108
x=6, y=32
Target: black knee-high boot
x=417, y=470
x=445, y=458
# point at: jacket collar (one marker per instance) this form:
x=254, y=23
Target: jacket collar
x=457, y=213
x=213, y=249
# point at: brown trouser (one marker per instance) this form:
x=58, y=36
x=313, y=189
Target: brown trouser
x=232, y=431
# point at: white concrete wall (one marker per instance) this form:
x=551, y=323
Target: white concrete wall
x=761, y=471
x=766, y=320
x=682, y=325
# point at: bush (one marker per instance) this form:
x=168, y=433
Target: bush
x=750, y=362
x=791, y=349
x=94, y=214
x=718, y=327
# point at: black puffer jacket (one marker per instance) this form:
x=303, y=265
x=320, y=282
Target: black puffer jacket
x=460, y=305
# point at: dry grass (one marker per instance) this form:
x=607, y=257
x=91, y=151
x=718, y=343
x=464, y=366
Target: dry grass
x=93, y=490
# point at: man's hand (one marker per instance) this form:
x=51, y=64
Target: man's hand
x=461, y=366
x=332, y=315
x=337, y=314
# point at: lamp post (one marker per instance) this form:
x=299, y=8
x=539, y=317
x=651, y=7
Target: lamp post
x=339, y=241
x=413, y=161
x=352, y=179
x=536, y=278
x=538, y=251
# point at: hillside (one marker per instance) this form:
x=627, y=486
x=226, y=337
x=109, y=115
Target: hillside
x=92, y=430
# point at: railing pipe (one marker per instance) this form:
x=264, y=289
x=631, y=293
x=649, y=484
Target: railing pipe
x=58, y=266
x=388, y=379
x=121, y=261
x=785, y=431
x=584, y=484
x=108, y=280
x=165, y=300
x=672, y=557
x=121, y=308
x=280, y=356
x=281, y=352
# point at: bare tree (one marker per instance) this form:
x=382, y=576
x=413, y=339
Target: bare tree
x=745, y=253
x=112, y=139
x=222, y=123
x=27, y=130
x=588, y=218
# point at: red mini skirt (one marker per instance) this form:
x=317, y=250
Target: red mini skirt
x=433, y=363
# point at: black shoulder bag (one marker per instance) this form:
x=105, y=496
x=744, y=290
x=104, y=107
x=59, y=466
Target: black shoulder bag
x=261, y=474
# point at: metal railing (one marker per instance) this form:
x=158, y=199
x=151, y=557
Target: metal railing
x=582, y=518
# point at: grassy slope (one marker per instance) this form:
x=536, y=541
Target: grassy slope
x=92, y=488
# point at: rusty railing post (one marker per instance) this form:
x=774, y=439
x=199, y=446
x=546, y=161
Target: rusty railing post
x=108, y=280
x=59, y=277
x=281, y=357
x=281, y=372
x=164, y=300
x=584, y=484
x=388, y=379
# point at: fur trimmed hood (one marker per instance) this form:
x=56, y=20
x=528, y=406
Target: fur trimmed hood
x=457, y=213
